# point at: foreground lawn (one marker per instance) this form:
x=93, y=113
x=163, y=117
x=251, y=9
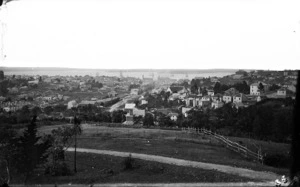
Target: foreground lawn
x=168, y=143
x=94, y=168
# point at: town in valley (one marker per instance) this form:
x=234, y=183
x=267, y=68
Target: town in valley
x=240, y=119
x=56, y=97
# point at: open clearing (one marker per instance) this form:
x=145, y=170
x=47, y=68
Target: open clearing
x=168, y=143
x=250, y=174
x=95, y=168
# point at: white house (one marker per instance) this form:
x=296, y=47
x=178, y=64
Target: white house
x=281, y=92
x=144, y=102
x=47, y=98
x=129, y=119
x=254, y=89
x=205, y=98
x=60, y=96
x=193, y=100
x=258, y=99
x=185, y=110
x=217, y=97
x=239, y=98
x=129, y=108
x=210, y=92
x=291, y=88
x=33, y=82
x=72, y=104
x=217, y=104
x=138, y=112
x=132, y=111
x=228, y=95
x=173, y=116
x=227, y=98
x=86, y=102
x=6, y=109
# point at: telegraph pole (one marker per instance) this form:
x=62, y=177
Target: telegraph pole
x=75, y=128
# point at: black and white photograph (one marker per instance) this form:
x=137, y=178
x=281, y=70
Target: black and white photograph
x=149, y=93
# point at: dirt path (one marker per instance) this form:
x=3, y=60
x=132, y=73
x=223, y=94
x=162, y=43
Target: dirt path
x=259, y=175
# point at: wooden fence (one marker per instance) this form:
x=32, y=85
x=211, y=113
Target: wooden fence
x=244, y=151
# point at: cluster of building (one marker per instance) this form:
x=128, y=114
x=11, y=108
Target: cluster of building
x=57, y=90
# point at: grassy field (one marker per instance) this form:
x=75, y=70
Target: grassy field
x=266, y=147
x=92, y=168
x=168, y=143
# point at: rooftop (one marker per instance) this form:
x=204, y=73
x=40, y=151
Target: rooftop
x=129, y=105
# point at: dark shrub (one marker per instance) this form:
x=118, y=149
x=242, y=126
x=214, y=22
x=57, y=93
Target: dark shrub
x=59, y=169
x=128, y=163
x=277, y=160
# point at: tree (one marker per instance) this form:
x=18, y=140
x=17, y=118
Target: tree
x=24, y=115
x=148, y=120
x=118, y=116
x=261, y=87
x=180, y=120
x=77, y=130
x=194, y=87
x=7, y=153
x=217, y=88
x=60, y=108
x=36, y=111
x=295, y=148
x=274, y=87
x=61, y=139
x=31, y=151
x=3, y=88
x=204, y=91
x=96, y=84
x=185, y=84
x=165, y=121
x=242, y=87
x=48, y=110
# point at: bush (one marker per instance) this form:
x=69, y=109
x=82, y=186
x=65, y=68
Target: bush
x=277, y=160
x=155, y=169
x=128, y=163
x=59, y=169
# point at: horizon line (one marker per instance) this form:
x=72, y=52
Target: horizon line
x=120, y=69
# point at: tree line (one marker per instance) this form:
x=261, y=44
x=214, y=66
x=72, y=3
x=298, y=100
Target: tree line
x=22, y=153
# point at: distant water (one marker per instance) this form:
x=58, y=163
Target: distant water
x=136, y=74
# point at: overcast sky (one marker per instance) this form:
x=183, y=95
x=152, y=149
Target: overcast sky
x=200, y=34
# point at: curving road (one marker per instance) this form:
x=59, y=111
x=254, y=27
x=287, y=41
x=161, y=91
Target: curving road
x=267, y=177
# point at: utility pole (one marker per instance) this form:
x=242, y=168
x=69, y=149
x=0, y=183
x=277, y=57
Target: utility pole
x=75, y=129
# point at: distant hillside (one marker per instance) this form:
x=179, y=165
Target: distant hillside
x=8, y=69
